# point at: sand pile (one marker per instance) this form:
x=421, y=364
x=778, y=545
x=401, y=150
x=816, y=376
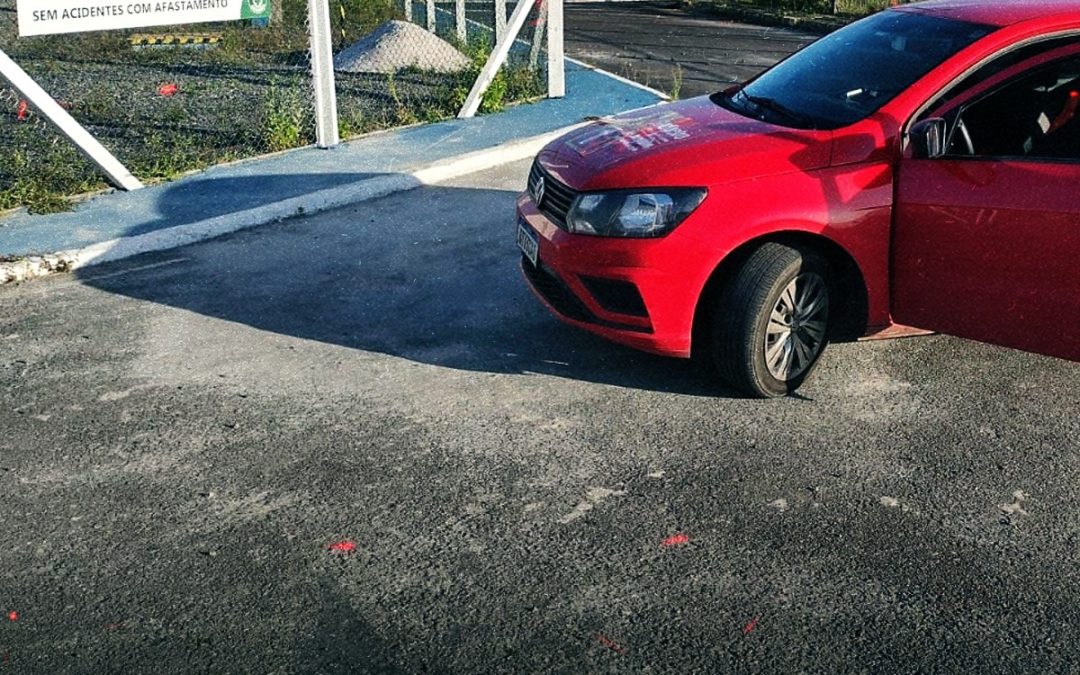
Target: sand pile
x=399, y=44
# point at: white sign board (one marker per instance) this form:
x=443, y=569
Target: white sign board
x=48, y=17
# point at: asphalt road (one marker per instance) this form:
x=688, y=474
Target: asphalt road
x=671, y=50
x=186, y=435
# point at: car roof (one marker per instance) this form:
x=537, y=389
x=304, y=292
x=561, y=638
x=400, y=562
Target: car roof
x=995, y=12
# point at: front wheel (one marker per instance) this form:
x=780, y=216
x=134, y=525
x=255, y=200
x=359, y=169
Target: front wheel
x=771, y=322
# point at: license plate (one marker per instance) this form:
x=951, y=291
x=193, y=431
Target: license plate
x=528, y=242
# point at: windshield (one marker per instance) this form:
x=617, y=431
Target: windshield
x=849, y=74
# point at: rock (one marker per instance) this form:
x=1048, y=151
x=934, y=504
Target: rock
x=396, y=45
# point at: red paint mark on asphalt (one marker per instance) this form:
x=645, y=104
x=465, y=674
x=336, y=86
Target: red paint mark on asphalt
x=343, y=546
x=750, y=626
x=676, y=540
x=610, y=644
x=113, y=626
x=168, y=89
x=22, y=111
x=13, y=615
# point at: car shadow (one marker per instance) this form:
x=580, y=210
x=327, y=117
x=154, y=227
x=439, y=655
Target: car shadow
x=430, y=275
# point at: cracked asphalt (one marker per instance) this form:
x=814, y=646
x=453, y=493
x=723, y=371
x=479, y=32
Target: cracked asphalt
x=186, y=435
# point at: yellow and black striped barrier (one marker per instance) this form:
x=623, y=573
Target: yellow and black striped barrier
x=183, y=40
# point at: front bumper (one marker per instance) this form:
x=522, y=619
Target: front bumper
x=637, y=292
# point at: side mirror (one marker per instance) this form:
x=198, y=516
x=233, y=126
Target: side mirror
x=927, y=138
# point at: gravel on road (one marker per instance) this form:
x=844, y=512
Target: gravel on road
x=353, y=442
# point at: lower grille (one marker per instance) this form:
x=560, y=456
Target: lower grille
x=557, y=295
x=563, y=300
x=621, y=297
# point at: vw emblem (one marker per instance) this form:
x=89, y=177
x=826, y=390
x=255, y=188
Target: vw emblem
x=538, y=191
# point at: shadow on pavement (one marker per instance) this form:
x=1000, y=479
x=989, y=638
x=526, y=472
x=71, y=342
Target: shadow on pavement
x=430, y=275
x=197, y=200
x=340, y=641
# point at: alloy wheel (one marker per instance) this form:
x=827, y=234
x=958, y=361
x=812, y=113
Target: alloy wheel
x=796, y=331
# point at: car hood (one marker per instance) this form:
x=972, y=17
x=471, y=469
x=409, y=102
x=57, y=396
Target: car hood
x=690, y=143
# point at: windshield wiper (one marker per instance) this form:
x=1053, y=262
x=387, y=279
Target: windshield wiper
x=775, y=106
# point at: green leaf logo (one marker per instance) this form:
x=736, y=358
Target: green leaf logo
x=255, y=9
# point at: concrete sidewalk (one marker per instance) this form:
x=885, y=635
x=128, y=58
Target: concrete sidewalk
x=231, y=197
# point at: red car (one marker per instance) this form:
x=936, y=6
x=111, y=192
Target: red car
x=919, y=167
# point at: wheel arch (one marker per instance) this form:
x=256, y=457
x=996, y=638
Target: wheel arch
x=852, y=291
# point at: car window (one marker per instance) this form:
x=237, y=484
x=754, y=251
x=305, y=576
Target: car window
x=849, y=74
x=1023, y=104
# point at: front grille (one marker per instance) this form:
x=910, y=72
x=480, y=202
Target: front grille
x=557, y=196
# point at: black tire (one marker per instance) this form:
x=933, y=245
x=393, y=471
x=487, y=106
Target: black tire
x=744, y=324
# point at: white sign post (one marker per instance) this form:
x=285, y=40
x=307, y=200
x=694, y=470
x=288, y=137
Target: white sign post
x=322, y=74
x=556, y=56
x=49, y=17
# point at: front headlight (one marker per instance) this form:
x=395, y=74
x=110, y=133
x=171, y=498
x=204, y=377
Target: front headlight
x=632, y=213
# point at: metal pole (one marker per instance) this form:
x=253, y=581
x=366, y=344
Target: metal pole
x=556, y=56
x=322, y=74
x=431, y=15
x=538, y=35
x=408, y=10
x=48, y=108
x=459, y=21
x=500, y=19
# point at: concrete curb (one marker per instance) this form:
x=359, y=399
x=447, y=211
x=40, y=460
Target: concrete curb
x=33, y=267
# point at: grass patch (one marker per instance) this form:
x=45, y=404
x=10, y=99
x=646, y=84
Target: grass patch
x=285, y=124
x=676, y=83
x=164, y=111
x=40, y=175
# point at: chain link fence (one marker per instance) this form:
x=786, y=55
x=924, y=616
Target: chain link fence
x=173, y=99
x=420, y=67
x=164, y=101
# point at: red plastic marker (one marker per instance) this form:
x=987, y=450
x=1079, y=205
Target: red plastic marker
x=13, y=615
x=168, y=89
x=343, y=546
x=676, y=540
x=749, y=627
x=22, y=111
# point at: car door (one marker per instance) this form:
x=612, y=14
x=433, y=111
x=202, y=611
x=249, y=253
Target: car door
x=986, y=236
